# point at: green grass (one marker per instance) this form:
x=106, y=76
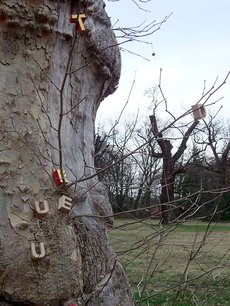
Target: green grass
x=207, y=280
x=223, y=227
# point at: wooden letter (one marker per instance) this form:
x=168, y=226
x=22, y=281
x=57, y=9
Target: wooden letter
x=79, y=20
x=58, y=178
x=41, y=253
x=198, y=111
x=64, y=203
x=41, y=211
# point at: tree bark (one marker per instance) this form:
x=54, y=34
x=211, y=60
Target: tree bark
x=53, y=79
x=167, y=182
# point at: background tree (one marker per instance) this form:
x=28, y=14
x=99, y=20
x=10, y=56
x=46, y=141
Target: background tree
x=115, y=169
x=214, y=137
x=170, y=165
x=148, y=167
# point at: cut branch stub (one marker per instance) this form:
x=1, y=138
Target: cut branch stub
x=154, y=125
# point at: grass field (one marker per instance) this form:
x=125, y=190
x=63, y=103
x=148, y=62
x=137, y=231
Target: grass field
x=175, y=265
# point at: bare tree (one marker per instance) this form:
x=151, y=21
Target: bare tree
x=170, y=166
x=115, y=169
x=148, y=167
x=220, y=148
x=214, y=136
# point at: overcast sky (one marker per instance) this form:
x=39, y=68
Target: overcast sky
x=192, y=46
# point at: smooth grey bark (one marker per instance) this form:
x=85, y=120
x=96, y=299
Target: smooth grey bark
x=79, y=266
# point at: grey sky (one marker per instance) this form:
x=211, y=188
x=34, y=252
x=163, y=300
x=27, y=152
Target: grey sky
x=192, y=46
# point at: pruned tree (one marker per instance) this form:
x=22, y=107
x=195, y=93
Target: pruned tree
x=170, y=165
x=53, y=231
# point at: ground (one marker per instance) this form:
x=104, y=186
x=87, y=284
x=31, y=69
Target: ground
x=185, y=264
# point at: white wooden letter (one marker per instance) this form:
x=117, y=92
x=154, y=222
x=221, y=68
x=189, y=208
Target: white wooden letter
x=41, y=211
x=64, y=203
x=199, y=111
x=41, y=248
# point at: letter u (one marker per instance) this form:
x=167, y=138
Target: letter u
x=41, y=211
x=34, y=253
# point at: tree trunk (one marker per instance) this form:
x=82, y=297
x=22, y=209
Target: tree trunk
x=169, y=161
x=53, y=78
x=167, y=185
